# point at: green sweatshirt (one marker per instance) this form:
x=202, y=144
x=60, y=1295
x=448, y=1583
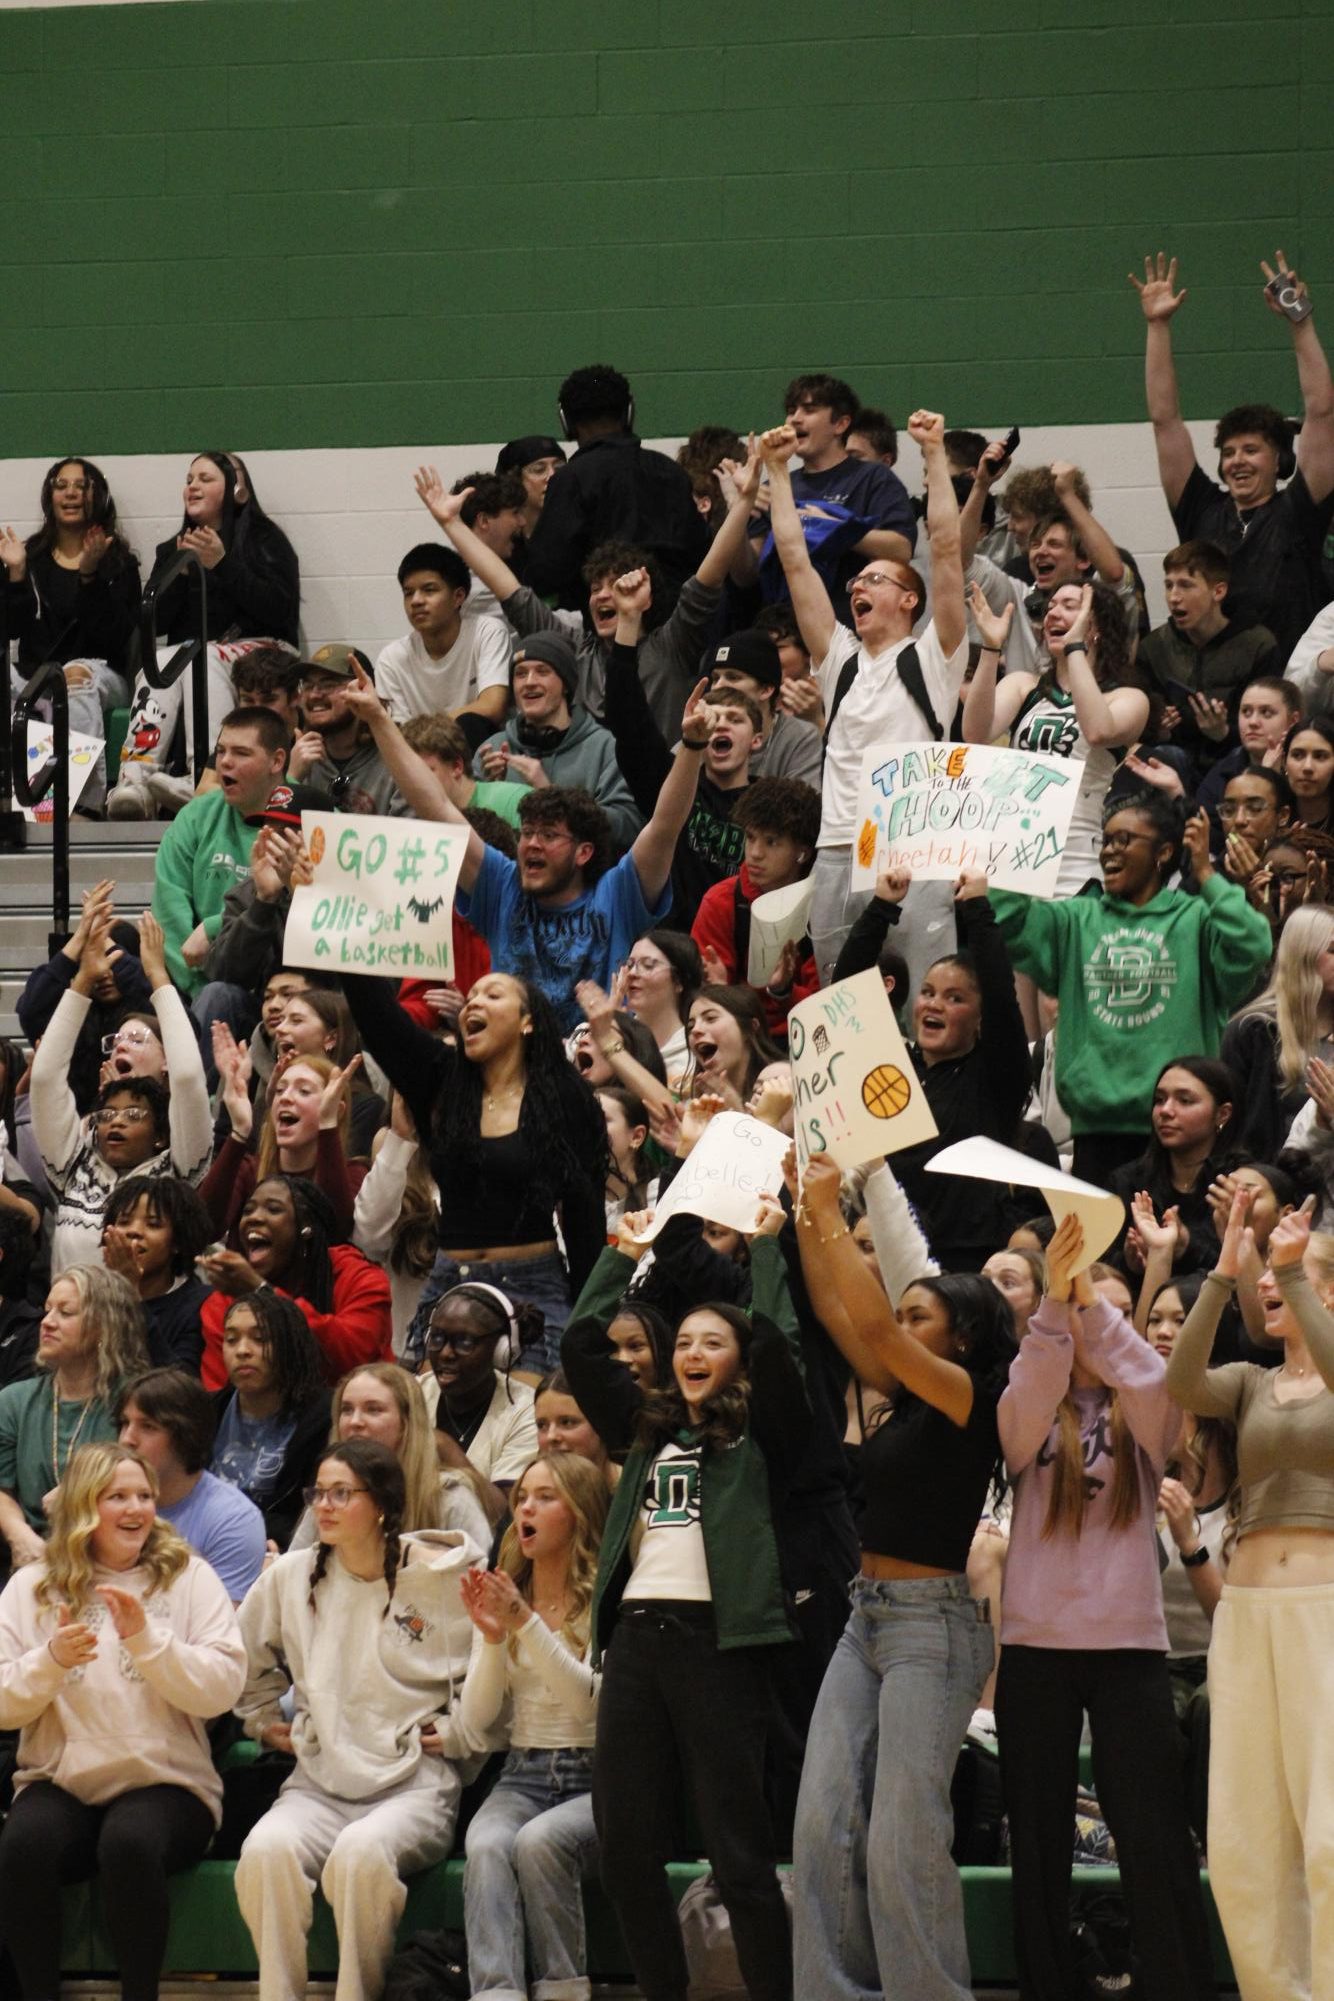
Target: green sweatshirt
x=204, y=853
x=1138, y=985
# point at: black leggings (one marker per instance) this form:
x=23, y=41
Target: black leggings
x=133, y=1843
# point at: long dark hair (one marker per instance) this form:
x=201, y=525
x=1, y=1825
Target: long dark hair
x=982, y=1321
x=99, y=511
x=1155, y=1162
x=657, y=1331
x=560, y=1119
x=721, y=1419
x=380, y=1473
x=747, y=1011
x=283, y=1328
x=246, y=531
x=682, y=954
x=310, y=1272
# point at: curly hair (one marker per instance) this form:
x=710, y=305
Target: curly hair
x=111, y=1303
x=781, y=806
x=560, y=1120
x=584, y=1490
x=171, y=1204
x=1260, y=420
x=147, y=1091
x=310, y=1269
x=579, y=812
x=380, y=1473
x=67, y=1572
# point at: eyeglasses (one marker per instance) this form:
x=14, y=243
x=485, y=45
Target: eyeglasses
x=330, y=1497
x=1244, y=809
x=462, y=1344
x=874, y=577
x=546, y=837
x=126, y=1038
x=1118, y=843
x=132, y=1115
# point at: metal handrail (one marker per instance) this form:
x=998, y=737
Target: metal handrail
x=47, y=683
x=192, y=653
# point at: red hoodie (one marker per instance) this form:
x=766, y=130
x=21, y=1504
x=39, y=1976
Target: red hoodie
x=715, y=930
x=359, y=1329
x=472, y=962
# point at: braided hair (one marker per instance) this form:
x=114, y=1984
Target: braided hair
x=309, y=1275
x=375, y=1468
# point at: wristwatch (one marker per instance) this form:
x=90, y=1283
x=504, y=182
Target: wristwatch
x=1195, y=1559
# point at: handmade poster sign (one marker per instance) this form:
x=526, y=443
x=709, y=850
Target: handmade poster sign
x=987, y=1160
x=382, y=899
x=856, y=1095
x=84, y=752
x=775, y=918
x=938, y=808
x=738, y=1160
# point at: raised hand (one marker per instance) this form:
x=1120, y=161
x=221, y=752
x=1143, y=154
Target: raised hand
x=699, y=720
x=1196, y=844
x=777, y=447
x=972, y=883
x=72, y=1644
x=893, y=883
x=1063, y=1253
x=801, y=698
x=480, y=1606
x=771, y=1102
x=13, y=554
x=1078, y=632
x=1158, y=294
x=926, y=428
x=95, y=544
x=1290, y=1235
x=695, y=1116
x=1237, y=1238
x=715, y=972
x=1065, y=474
x=362, y=700
x=1155, y=1235
x=207, y=544
x=821, y=1190
x=633, y=592
x=118, y=1254
x=629, y=1230
x=1283, y=280
x=153, y=951
x=769, y=1219
x=97, y=961
x=127, y=1612
x=744, y=479
x=1320, y=1083
x=272, y=859
x=445, y=507
x=331, y=1097
x=1154, y=772
x=993, y=628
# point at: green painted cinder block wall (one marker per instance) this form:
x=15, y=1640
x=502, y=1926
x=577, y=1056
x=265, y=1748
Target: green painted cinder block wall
x=360, y=222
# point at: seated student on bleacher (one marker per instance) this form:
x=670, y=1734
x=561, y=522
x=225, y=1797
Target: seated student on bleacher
x=549, y=740
x=1267, y=714
x=290, y=1244
x=90, y=1339
x=484, y=1419
x=383, y=1402
x=138, y=1127
x=169, y=1419
x=369, y=1634
x=532, y=1843
x=114, y=1650
x=152, y=1232
x=779, y=820
x=1087, y=1426
x=1198, y=660
x=448, y=664
x=334, y=750
x=272, y=1419
x=1308, y=764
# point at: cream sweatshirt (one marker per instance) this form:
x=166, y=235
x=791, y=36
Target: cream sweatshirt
x=548, y=1695
x=134, y=1715
x=367, y=1673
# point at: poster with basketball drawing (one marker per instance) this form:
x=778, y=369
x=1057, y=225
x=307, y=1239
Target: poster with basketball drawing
x=940, y=808
x=381, y=899
x=855, y=1093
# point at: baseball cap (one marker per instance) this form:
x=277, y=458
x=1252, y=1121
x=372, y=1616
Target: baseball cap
x=286, y=803
x=752, y=653
x=338, y=658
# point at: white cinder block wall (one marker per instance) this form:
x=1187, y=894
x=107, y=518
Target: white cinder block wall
x=353, y=514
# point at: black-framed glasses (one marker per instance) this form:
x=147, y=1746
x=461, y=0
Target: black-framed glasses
x=462, y=1344
x=1118, y=843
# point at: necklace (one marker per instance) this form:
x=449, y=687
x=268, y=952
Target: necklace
x=490, y=1099
x=55, y=1428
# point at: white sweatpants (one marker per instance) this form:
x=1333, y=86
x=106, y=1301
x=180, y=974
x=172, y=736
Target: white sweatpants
x=358, y=1852
x=1271, y=1788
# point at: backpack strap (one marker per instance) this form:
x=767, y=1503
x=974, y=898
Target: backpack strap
x=913, y=679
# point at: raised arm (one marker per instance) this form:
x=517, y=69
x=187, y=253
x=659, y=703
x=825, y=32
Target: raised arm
x=728, y=543
x=927, y=429
x=816, y=617
x=421, y=789
x=447, y=511
x=987, y=709
x=866, y=1327
x=1287, y=1247
x=1106, y=715
x=189, y=1114
x=1102, y=550
x=655, y=846
x=1194, y=1385
x=1159, y=298
x=1315, y=444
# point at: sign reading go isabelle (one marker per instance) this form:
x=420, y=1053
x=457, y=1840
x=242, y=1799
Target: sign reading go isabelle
x=938, y=808
x=382, y=897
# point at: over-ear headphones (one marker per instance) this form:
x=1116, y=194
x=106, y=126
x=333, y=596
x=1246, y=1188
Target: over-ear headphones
x=1287, y=454
x=568, y=431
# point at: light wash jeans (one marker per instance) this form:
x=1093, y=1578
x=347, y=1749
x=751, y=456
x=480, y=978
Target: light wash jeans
x=877, y=1904
x=103, y=689
x=530, y=1846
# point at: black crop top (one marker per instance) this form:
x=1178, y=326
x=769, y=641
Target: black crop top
x=495, y=1207
x=925, y=1481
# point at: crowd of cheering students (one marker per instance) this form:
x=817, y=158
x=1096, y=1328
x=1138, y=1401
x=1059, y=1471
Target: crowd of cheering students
x=342, y=1392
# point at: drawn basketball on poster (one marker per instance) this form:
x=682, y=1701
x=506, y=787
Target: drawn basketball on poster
x=317, y=847
x=885, y=1091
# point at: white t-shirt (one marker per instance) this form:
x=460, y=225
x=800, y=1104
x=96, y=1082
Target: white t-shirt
x=877, y=709
x=670, y=1561
x=410, y=683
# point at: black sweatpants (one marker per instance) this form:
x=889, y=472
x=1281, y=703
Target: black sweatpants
x=1042, y=1694
x=132, y=1844
x=676, y=1712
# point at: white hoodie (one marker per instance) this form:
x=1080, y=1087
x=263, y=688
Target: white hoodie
x=367, y=1673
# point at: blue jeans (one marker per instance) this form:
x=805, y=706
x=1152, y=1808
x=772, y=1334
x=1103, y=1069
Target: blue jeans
x=530, y=1846
x=543, y=1281
x=877, y=1904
